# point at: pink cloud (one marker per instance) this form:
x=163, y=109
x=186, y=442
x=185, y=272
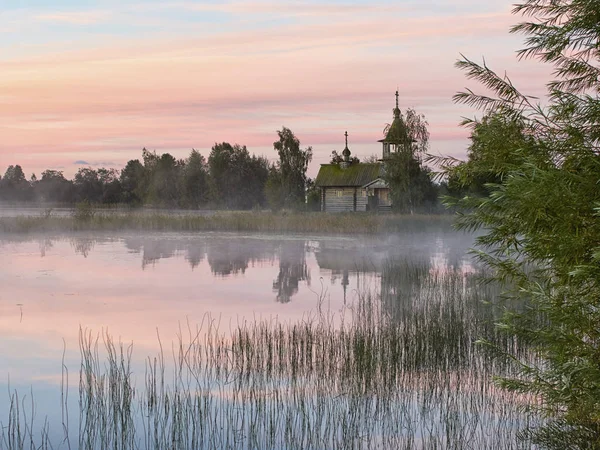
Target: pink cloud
x=75, y=17
x=319, y=79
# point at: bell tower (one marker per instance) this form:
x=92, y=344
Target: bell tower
x=395, y=134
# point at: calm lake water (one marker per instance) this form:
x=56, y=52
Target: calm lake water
x=150, y=288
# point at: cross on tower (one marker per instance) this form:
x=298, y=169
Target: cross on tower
x=346, y=134
x=397, y=98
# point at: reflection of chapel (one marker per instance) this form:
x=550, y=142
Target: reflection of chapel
x=351, y=186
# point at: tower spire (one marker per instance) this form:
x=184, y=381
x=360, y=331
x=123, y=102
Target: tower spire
x=397, y=109
x=346, y=152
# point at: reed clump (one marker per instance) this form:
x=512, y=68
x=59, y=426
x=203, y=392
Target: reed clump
x=398, y=368
x=84, y=218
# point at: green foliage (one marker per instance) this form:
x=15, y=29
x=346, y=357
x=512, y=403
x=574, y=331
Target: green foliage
x=195, y=181
x=274, y=189
x=225, y=168
x=541, y=221
x=336, y=158
x=165, y=181
x=164, y=176
x=158, y=183
x=112, y=190
x=495, y=141
x=313, y=196
x=408, y=132
x=54, y=187
x=132, y=182
x=232, y=178
x=14, y=175
x=293, y=163
x=372, y=159
x=87, y=185
x=14, y=186
x=84, y=212
x=410, y=183
x=97, y=186
x=238, y=178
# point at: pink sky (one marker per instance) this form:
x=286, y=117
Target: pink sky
x=95, y=85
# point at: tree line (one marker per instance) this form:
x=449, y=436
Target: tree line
x=230, y=178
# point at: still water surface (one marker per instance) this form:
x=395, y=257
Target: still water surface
x=141, y=286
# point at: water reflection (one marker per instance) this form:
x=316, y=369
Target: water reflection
x=341, y=262
x=83, y=245
x=44, y=244
x=233, y=256
x=155, y=249
x=292, y=270
x=134, y=285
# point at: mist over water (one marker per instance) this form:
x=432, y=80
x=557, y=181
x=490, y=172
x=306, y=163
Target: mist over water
x=101, y=280
x=25, y=210
x=148, y=288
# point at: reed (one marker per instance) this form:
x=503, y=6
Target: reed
x=396, y=369
x=292, y=222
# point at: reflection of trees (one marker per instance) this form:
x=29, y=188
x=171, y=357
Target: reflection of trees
x=404, y=262
x=402, y=282
x=83, y=245
x=292, y=270
x=418, y=265
x=134, y=244
x=154, y=249
x=45, y=245
x=342, y=261
x=233, y=256
x=195, y=254
x=225, y=256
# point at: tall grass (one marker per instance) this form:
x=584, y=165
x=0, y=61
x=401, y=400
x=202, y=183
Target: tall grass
x=84, y=219
x=396, y=369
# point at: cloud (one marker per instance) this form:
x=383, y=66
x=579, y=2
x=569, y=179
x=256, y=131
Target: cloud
x=173, y=91
x=310, y=9
x=75, y=17
x=108, y=164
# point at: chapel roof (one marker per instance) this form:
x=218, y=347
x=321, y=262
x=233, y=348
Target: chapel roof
x=396, y=132
x=355, y=175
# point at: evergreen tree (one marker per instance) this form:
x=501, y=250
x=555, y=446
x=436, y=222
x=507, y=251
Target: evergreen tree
x=238, y=179
x=14, y=186
x=132, y=181
x=195, y=181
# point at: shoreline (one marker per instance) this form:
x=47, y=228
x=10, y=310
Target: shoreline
x=281, y=222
